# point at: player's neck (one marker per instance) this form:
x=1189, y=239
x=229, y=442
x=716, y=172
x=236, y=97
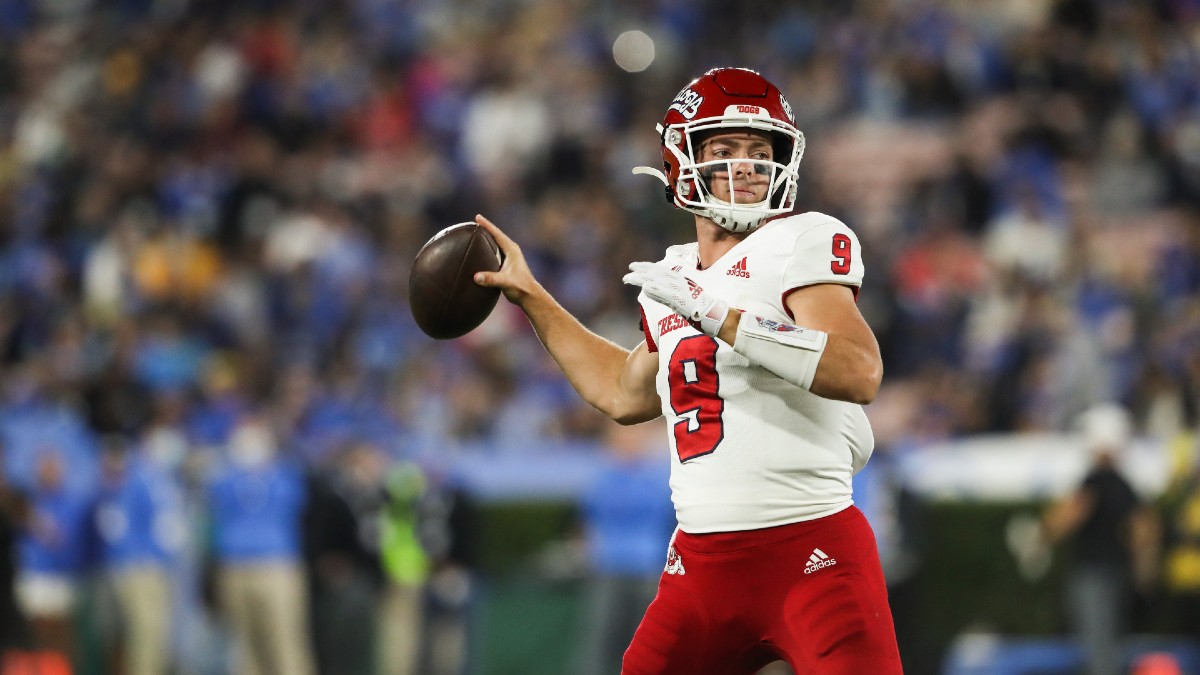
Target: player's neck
x=714, y=241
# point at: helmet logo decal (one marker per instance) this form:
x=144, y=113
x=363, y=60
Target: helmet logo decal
x=787, y=109
x=687, y=103
x=749, y=109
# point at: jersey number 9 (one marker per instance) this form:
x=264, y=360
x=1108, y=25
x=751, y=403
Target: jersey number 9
x=694, y=383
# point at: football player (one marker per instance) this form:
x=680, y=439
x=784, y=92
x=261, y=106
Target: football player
x=757, y=355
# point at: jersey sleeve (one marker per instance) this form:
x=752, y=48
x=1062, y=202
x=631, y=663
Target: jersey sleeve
x=651, y=345
x=828, y=253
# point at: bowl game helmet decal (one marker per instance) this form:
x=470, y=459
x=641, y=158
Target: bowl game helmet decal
x=728, y=99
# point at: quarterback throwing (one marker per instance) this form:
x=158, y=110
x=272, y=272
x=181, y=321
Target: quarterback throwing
x=757, y=355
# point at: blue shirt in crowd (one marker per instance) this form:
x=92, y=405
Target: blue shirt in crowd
x=139, y=518
x=629, y=517
x=57, y=542
x=256, y=513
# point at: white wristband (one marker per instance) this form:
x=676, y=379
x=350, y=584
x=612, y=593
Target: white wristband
x=789, y=351
x=712, y=318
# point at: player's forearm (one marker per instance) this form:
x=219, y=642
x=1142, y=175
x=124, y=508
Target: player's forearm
x=847, y=370
x=590, y=363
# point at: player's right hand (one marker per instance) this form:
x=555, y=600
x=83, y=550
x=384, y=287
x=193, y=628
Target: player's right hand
x=514, y=277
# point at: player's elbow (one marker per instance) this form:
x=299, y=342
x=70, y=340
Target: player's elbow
x=628, y=413
x=631, y=417
x=627, y=420
x=862, y=386
x=868, y=388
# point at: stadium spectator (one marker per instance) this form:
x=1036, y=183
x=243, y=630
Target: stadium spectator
x=53, y=549
x=626, y=515
x=256, y=506
x=404, y=549
x=342, y=529
x=450, y=531
x=1115, y=543
x=139, y=519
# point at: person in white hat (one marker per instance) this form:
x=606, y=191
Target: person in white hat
x=1114, y=539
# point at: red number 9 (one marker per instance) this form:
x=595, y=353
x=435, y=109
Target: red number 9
x=841, y=253
x=695, y=397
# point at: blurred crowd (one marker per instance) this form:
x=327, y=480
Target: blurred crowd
x=208, y=211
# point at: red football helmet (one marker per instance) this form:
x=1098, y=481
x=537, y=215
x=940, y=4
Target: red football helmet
x=728, y=98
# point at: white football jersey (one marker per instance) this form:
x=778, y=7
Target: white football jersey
x=750, y=450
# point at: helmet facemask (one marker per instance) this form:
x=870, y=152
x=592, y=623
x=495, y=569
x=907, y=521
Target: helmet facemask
x=694, y=188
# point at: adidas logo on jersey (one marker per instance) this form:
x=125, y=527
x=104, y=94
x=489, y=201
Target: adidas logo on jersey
x=819, y=560
x=739, y=270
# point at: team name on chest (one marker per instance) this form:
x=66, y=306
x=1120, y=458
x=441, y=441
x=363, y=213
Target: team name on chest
x=670, y=323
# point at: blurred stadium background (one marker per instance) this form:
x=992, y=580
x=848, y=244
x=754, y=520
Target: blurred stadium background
x=208, y=369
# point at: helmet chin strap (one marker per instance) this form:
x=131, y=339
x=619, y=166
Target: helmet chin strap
x=734, y=220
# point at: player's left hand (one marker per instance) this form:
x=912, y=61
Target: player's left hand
x=668, y=287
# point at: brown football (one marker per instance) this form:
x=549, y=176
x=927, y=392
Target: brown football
x=445, y=300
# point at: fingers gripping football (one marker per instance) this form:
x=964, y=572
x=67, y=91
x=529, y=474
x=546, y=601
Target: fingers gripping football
x=513, y=278
x=668, y=287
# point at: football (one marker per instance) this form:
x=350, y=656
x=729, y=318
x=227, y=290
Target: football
x=445, y=300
